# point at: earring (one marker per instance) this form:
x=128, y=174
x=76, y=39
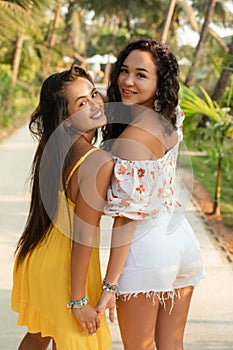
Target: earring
x=157, y=106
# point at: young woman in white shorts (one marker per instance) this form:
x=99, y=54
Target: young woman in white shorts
x=155, y=259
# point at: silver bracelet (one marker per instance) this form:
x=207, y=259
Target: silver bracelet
x=111, y=288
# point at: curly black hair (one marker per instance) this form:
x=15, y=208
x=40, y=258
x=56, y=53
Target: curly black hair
x=168, y=84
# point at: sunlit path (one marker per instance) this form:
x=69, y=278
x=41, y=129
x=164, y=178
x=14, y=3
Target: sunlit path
x=210, y=323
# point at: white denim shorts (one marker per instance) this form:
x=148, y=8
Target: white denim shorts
x=162, y=259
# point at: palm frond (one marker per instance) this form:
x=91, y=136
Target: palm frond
x=192, y=104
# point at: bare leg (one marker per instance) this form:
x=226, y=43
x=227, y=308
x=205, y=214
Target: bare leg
x=137, y=320
x=34, y=341
x=169, y=331
x=54, y=346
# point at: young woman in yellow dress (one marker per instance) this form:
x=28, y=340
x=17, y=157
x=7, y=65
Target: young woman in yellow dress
x=57, y=279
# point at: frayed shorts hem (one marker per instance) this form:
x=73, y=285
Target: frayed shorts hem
x=161, y=296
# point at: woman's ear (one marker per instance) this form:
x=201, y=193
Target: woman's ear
x=67, y=123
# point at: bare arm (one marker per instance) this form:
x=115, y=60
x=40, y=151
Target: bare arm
x=93, y=183
x=122, y=233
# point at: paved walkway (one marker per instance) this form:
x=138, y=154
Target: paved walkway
x=210, y=323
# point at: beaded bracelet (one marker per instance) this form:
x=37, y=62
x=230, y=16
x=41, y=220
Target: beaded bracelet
x=77, y=304
x=112, y=288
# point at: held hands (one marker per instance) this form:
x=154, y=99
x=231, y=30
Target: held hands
x=88, y=318
x=107, y=301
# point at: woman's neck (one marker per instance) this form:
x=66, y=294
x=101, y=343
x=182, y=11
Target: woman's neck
x=88, y=138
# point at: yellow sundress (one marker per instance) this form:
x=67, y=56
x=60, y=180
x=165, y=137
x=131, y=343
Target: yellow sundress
x=41, y=286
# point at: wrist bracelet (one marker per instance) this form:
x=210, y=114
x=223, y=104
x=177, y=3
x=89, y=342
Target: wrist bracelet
x=112, y=288
x=77, y=304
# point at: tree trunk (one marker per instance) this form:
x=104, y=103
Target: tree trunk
x=52, y=36
x=168, y=21
x=107, y=72
x=217, y=195
x=17, y=58
x=51, y=40
x=224, y=79
x=199, y=49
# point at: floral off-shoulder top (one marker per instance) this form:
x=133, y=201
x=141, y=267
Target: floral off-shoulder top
x=140, y=188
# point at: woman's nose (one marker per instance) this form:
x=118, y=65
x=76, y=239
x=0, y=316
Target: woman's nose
x=93, y=104
x=129, y=80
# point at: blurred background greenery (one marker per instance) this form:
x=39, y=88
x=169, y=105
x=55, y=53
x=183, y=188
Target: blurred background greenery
x=39, y=37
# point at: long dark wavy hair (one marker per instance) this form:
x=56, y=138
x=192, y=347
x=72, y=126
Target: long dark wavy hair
x=49, y=114
x=168, y=87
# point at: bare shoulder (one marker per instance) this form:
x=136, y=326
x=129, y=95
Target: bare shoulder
x=133, y=144
x=150, y=122
x=103, y=157
x=145, y=138
x=96, y=161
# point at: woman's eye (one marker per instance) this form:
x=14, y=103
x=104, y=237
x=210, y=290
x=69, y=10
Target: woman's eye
x=141, y=75
x=82, y=103
x=123, y=70
x=95, y=94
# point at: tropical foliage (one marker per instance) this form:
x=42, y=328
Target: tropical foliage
x=228, y=63
x=39, y=37
x=217, y=134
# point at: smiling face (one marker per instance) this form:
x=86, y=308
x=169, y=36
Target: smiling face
x=85, y=105
x=137, y=80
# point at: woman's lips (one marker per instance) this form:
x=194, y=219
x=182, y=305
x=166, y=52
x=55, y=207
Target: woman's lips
x=127, y=93
x=97, y=115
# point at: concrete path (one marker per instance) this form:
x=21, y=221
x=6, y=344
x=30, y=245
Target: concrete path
x=210, y=323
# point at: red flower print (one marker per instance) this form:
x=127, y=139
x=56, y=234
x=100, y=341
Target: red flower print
x=160, y=191
x=141, y=172
x=154, y=212
x=143, y=215
x=124, y=203
x=152, y=174
x=122, y=170
x=140, y=189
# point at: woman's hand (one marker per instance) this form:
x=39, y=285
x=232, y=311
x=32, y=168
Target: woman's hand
x=107, y=301
x=88, y=319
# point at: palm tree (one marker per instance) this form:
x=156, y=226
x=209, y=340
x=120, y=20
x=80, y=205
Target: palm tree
x=200, y=45
x=54, y=27
x=228, y=63
x=15, y=25
x=19, y=21
x=168, y=20
x=224, y=79
x=76, y=35
x=17, y=57
x=220, y=129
